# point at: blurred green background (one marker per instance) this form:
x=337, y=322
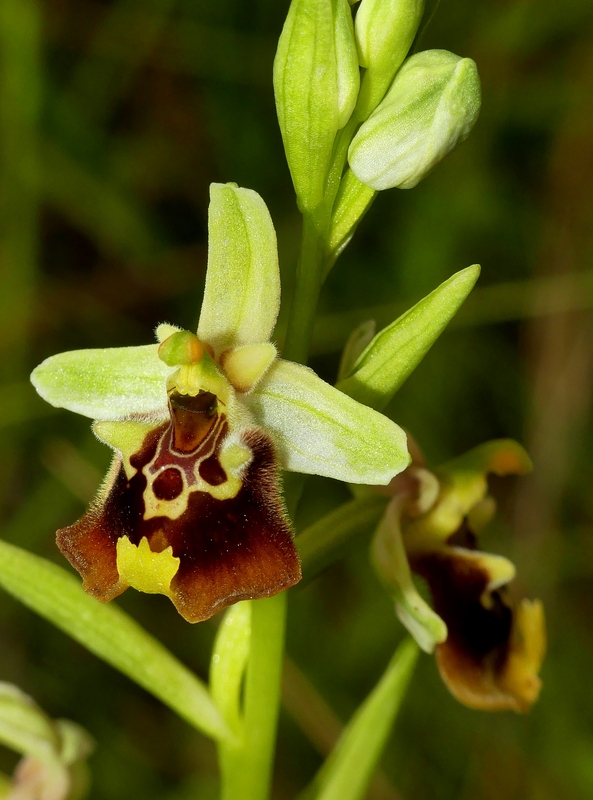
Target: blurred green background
x=114, y=119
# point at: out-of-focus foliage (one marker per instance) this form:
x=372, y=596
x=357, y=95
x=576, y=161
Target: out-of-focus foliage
x=115, y=117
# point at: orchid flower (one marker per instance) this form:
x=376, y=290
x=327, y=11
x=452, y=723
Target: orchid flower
x=489, y=649
x=201, y=425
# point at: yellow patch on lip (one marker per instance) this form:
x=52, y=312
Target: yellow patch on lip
x=144, y=570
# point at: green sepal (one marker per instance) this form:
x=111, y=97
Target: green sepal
x=430, y=108
x=107, y=384
x=388, y=556
x=464, y=487
x=385, y=30
x=319, y=430
x=498, y=456
x=242, y=292
x=307, y=98
x=397, y=350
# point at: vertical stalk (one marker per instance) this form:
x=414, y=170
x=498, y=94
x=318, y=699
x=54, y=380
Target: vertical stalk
x=307, y=288
x=262, y=695
x=247, y=766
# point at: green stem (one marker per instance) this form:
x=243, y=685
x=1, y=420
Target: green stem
x=248, y=771
x=312, y=267
x=307, y=288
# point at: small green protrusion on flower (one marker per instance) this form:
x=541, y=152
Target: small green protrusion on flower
x=385, y=30
x=183, y=347
x=316, y=81
x=431, y=107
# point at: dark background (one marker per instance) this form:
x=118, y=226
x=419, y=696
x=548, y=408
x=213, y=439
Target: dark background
x=114, y=119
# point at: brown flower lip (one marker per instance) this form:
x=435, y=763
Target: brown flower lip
x=179, y=519
x=494, y=647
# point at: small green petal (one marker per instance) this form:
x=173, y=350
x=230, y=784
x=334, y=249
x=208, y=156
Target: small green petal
x=242, y=294
x=498, y=456
x=319, y=430
x=164, y=330
x=396, y=350
x=106, y=384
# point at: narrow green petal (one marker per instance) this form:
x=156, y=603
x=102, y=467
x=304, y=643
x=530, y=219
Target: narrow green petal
x=105, y=384
x=319, y=430
x=398, y=349
x=242, y=293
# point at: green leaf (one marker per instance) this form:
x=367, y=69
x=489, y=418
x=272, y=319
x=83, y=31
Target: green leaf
x=242, y=294
x=106, y=384
x=321, y=431
x=398, y=349
x=111, y=634
x=325, y=540
x=307, y=100
x=348, y=770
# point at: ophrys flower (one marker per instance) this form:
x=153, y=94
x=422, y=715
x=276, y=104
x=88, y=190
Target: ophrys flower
x=200, y=425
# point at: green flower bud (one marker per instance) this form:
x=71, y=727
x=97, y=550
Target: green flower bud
x=316, y=81
x=385, y=30
x=348, y=71
x=431, y=107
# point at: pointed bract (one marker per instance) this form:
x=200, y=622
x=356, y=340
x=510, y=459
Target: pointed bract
x=396, y=350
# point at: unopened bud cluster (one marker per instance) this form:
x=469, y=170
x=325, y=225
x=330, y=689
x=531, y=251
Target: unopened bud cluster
x=346, y=86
